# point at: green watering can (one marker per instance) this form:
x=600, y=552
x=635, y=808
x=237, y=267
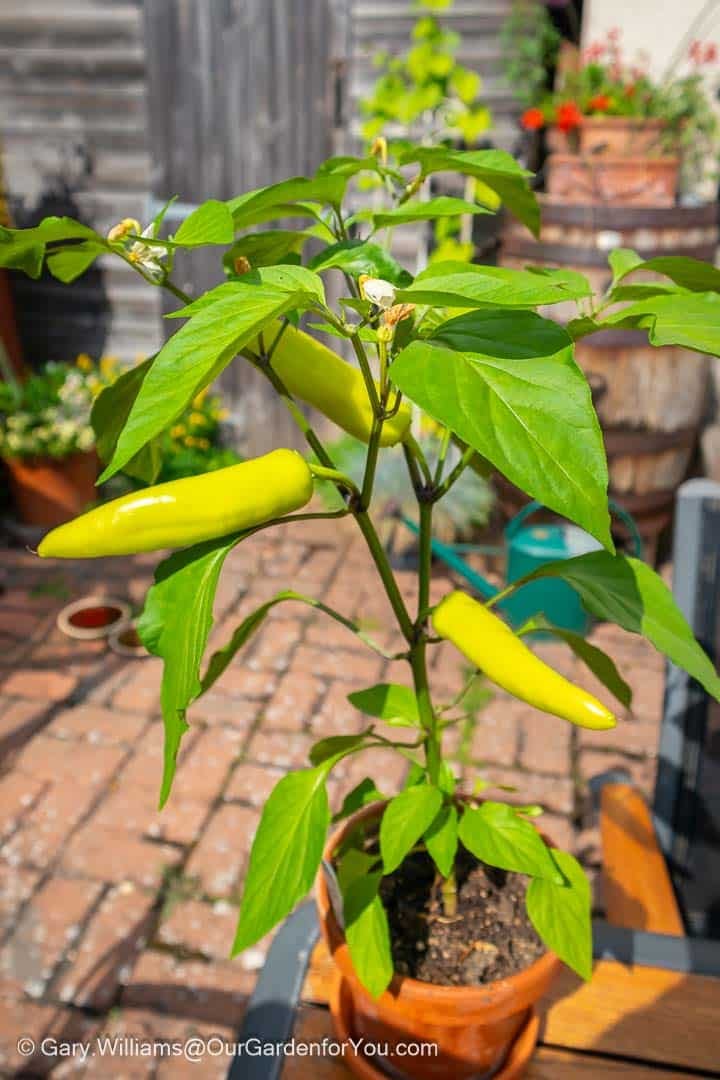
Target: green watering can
x=527, y=548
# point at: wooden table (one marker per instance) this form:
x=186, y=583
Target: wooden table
x=632, y=1023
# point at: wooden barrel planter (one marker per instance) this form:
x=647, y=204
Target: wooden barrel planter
x=650, y=401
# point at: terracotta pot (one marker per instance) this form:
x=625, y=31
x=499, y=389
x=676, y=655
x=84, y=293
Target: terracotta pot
x=629, y=181
x=49, y=491
x=473, y=1026
x=613, y=135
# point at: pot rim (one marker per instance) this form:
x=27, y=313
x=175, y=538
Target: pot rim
x=91, y=633
x=491, y=995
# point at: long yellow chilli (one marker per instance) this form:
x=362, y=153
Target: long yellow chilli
x=492, y=646
x=318, y=376
x=184, y=512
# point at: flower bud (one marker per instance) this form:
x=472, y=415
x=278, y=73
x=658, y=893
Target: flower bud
x=378, y=292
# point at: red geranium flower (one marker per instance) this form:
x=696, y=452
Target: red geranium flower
x=711, y=53
x=532, y=119
x=568, y=116
x=600, y=103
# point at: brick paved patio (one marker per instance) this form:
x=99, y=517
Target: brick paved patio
x=117, y=919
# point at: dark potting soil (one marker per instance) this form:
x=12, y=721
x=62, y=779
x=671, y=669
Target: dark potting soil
x=489, y=938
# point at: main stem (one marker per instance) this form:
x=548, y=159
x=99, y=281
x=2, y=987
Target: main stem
x=418, y=658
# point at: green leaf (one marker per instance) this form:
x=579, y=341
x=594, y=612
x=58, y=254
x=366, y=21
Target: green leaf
x=361, y=795
x=561, y=914
x=496, y=168
x=495, y=833
x=389, y=702
x=285, y=855
x=601, y=665
x=68, y=264
x=211, y=223
x=347, y=165
x=222, y=658
x=523, y=334
x=367, y=934
x=627, y=592
x=406, y=818
x=358, y=257
x=692, y=274
x=248, y=209
x=302, y=284
x=268, y=248
x=24, y=249
x=441, y=839
x=109, y=413
x=678, y=318
x=441, y=207
x=336, y=746
x=523, y=404
x=623, y=261
x=461, y=284
x=193, y=357
x=175, y=624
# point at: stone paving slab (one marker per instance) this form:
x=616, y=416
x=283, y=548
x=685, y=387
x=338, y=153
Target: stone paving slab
x=116, y=919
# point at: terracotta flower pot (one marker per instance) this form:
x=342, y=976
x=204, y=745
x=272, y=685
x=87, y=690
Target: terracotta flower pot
x=49, y=491
x=473, y=1026
x=628, y=181
x=613, y=135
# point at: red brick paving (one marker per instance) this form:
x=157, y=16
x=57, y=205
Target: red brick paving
x=119, y=919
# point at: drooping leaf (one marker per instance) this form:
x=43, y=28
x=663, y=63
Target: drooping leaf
x=268, y=248
x=628, y=592
x=222, y=658
x=285, y=854
x=109, y=413
x=193, y=357
x=210, y=223
x=441, y=839
x=525, y=406
x=358, y=257
x=691, y=320
x=497, y=834
x=389, y=702
x=561, y=914
x=367, y=933
x=25, y=249
x=495, y=168
x=175, y=624
x=69, y=263
x=465, y=285
x=601, y=665
x=406, y=818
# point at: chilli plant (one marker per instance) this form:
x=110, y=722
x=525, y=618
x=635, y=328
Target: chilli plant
x=460, y=343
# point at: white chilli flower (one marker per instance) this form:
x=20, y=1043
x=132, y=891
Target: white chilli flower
x=378, y=291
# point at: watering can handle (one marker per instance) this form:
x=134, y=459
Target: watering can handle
x=627, y=520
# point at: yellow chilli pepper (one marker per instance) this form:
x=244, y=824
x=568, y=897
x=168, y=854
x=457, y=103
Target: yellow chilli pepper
x=187, y=511
x=319, y=377
x=492, y=646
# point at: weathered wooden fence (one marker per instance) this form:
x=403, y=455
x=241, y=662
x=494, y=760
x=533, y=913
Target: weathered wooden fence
x=241, y=95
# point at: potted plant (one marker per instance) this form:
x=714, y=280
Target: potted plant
x=447, y=913
x=46, y=440
x=618, y=134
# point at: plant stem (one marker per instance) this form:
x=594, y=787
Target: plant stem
x=448, y=891
x=366, y=372
x=454, y=474
x=388, y=578
x=415, y=449
x=444, y=447
x=418, y=659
